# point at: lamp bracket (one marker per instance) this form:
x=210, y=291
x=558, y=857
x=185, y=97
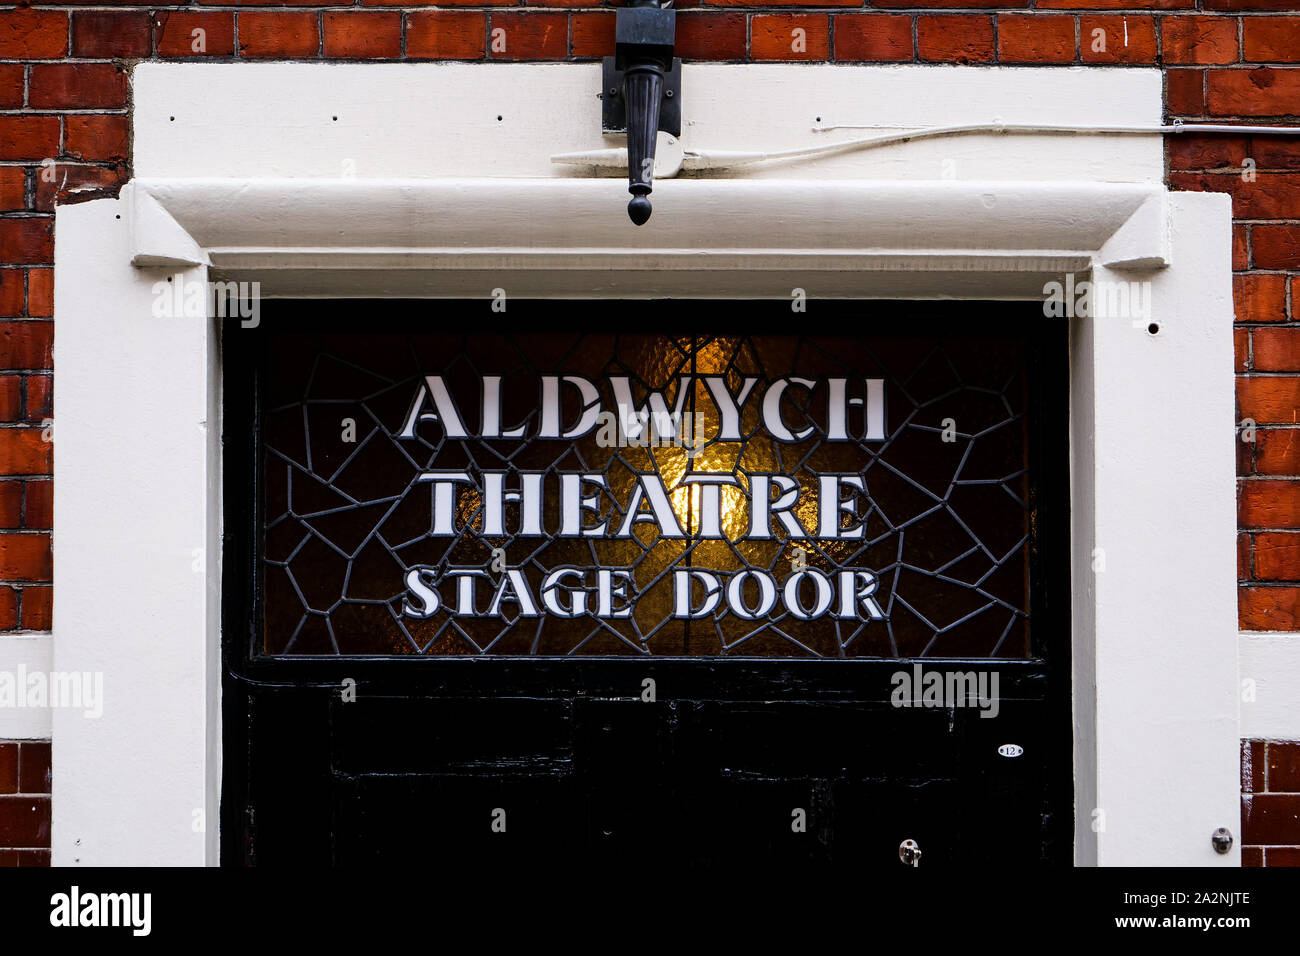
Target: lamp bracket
x=613, y=108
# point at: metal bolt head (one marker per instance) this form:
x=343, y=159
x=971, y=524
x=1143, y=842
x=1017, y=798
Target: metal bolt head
x=668, y=93
x=1222, y=840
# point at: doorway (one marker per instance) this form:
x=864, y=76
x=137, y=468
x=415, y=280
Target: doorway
x=577, y=581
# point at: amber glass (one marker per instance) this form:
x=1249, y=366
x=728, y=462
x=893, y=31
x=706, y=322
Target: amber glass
x=945, y=515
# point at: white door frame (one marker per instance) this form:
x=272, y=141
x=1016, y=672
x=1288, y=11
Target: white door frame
x=138, y=487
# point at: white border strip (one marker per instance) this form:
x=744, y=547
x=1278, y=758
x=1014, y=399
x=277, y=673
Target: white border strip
x=1270, y=693
x=26, y=653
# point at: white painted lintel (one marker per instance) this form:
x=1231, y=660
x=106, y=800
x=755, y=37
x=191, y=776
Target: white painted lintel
x=868, y=234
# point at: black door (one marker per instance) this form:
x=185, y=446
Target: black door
x=553, y=585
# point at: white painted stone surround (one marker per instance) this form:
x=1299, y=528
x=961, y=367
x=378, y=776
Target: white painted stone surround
x=242, y=171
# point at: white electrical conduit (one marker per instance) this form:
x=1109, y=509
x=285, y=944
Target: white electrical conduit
x=727, y=159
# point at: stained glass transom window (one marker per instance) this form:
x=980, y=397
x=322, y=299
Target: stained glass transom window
x=648, y=494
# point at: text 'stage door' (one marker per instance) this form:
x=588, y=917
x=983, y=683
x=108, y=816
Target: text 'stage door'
x=710, y=581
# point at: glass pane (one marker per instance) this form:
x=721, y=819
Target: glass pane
x=672, y=495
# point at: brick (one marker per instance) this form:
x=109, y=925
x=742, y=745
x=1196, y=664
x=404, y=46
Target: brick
x=452, y=3
x=953, y=4
x=39, y=512
x=32, y=857
x=24, y=557
x=11, y=292
x=1206, y=40
x=1270, y=39
x=1240, y=246
x=1185, y=92
x=1264, y=196
x=873, y=37
x=1260, y=298
x=40, y=292
x=1284, y=767
x=362, y=36
x=451, y=35
x=8, y=768
x=1281, y=855
x=1277, y=350
x=1125, y=39
x=1252, y=856
x=8, y=608
x=1275, y=246
x=25, y=821
x=27, y=241
x=26, y=344
x=11, y=400
x=1240, y=349
x=269, y=3
x=39, y=394
x=955, y=39
x=76, y=183
x=37, y=608
x=592, y=34
x=1268, y=609
x=529, y=36
x=33, y=34
x=1277, y=556
x=1267, y=503
x=1245, y=457
x=1276, y=152
x=1269, y=400
x=278, y=35
x=77, y=86
x=1036, y=39
x=789, y=36
x=11, y=85
x=800, y=3
x=111, y=33
x=13, y=188
x=1268, y=818
x=710, y=36
x=23, y=452
x=1115, y=4
x=96, y=138
x=174, y=35
x=1277, y=452
x=1243, y=557
x=1252, y=766
x=11, y=492
x=1192, y=151
x=29, y=137
x=1262, y=92
x=34, y=764
x=1284, y=6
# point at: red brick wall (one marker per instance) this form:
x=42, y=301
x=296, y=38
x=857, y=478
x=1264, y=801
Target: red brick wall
x=1270, y=802
x=64, y=136
x=24, y=803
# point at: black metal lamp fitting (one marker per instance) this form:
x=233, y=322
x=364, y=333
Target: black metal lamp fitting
x=644, y=33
